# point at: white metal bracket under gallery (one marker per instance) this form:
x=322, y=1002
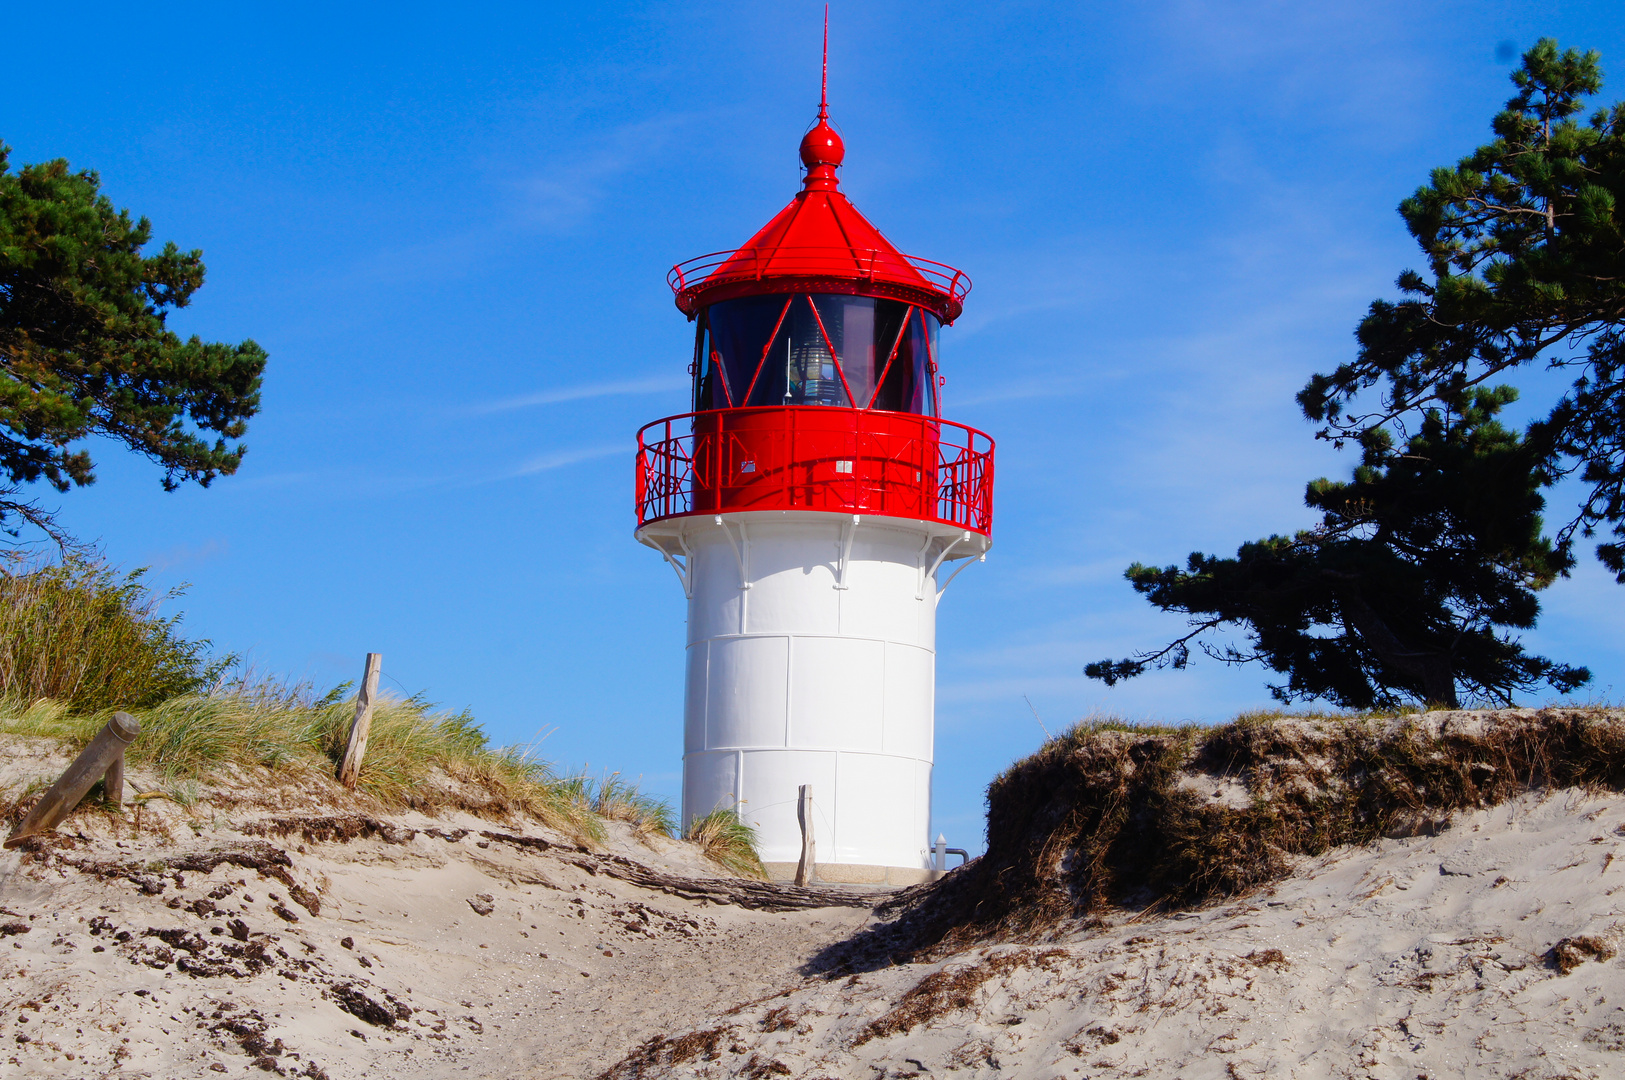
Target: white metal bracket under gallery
x=926, y=575
x=848, y=532
x=741, y=550
x=957, y=571
x=684, y=569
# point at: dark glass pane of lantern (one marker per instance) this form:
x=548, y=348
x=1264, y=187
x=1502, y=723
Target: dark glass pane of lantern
x=700, y=368
x=889, y=316
x=897, y=388
x=908, y=383
x=929, y=403
x=810, y=377
x=850, y=323
x=738, y=331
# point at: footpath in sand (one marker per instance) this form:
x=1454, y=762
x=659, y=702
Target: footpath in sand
x=255, y=940
x=1426, y=957
x=251, y=937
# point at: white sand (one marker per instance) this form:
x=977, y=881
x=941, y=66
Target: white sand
x=1411, y=958
x=567, y=972
x=1419, y=957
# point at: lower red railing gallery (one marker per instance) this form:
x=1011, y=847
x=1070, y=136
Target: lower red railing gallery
x=816, y=458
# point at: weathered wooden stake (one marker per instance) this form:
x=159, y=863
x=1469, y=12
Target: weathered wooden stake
x=350, y=769
x=103, y=757
x=113, y=782
x=809, y=850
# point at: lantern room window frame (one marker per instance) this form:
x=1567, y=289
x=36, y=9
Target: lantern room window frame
x=708, y=359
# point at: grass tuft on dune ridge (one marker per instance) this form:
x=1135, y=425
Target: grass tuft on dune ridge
x=728, y=842
x=617, y=800
x=80, y=633
x=1147, y=817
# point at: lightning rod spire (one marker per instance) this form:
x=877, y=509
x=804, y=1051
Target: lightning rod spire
x=823, y=79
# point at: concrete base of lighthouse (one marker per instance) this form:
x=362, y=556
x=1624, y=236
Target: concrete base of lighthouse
x=812, y=661
x=851, y=874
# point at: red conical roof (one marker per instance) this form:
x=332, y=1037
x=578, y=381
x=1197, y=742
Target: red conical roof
x=819, y=243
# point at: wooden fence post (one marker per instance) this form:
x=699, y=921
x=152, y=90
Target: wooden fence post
x=809, y=850
x=350, y=768
x=113, y=782
x=103, y=757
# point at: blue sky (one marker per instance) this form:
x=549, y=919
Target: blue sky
x=450, y=228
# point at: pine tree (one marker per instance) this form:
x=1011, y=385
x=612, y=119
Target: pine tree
x=84, y=349
x=1525, y=245
x=1406, y=589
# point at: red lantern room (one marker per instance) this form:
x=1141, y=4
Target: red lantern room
x=817, y=311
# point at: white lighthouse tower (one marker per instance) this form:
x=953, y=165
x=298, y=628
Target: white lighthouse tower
x=815, y=505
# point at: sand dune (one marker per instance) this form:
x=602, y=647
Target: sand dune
x=252, y=934
x=425, y=947
x=1421, y=957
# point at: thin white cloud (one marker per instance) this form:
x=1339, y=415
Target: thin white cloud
x=1045, y=387
x=187, y=554
x=567, y=191
x=561, y=458
x=244, y=484
x=661, y=384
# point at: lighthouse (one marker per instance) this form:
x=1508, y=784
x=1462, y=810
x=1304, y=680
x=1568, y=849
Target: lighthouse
x=815, y=504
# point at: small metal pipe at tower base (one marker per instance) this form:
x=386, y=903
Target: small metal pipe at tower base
x=939, y=854
x=103, y=757
x=809, y=850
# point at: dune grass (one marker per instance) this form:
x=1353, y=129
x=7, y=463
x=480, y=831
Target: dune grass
x=615, y=799
x=1114, y=815
x=79, y=639
x=195, y=737
x=727, y=841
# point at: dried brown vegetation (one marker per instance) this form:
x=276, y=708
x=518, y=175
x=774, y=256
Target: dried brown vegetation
x=727, y=841
x=951, y=989
x=660, y=1051
x=1571, y=952
x=1108, y=815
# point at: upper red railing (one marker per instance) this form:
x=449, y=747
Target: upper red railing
x=815, y=458
x=884, y=271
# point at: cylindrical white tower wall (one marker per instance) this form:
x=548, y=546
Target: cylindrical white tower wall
x=811, y=660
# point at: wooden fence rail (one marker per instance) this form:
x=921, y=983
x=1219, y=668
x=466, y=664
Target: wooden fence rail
x=103, y=757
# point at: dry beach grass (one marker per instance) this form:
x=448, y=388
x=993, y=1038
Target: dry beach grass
x=1110, y=815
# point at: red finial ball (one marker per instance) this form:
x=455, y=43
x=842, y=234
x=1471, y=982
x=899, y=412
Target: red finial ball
x=822, y=146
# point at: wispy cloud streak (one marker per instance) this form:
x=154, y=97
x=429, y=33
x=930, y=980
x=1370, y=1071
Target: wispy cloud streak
x=658, y=385
x=561, y=458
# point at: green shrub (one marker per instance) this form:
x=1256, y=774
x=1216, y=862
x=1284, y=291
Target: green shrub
x=78, y=633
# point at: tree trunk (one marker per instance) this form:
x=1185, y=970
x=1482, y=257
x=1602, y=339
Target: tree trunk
x=1432, y=669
